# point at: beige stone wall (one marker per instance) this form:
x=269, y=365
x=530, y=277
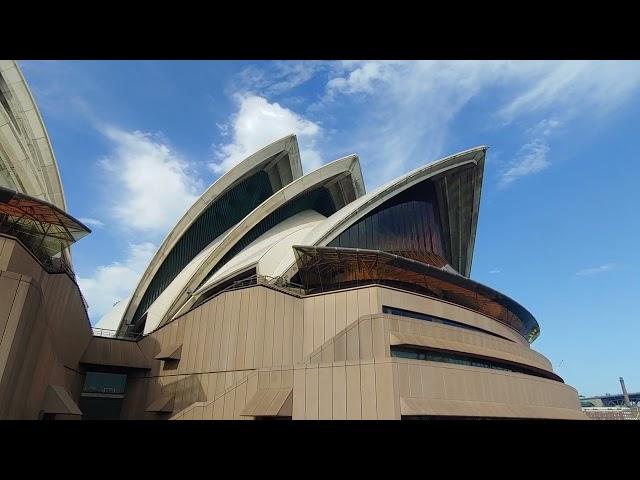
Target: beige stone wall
x=333, y=351
x=44, y=330
x=227, y=338
x=419, y=303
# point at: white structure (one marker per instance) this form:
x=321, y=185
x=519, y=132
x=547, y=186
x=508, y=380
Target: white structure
x=248, y=222
x=27, y=162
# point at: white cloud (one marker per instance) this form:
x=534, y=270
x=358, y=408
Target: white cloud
x=154, y=185
x=408, y=107
x=92, y=222
x=411, y=105
x=592, y=271
x=116, y=281
x=532, y=158
x=258, y=123
x=362, y=78
x=545, y=127
x=494, y=271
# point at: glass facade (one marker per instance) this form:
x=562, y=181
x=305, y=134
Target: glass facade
x=229, y=209
x=414, y=353
x=430, y=318
x=407, y=225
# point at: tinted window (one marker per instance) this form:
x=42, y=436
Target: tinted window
x=100, y=382
x=413, y=353
x=407, y=225
x=430, y=318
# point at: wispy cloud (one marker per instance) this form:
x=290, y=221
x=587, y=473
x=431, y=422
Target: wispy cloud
x=257, y=123
x=279, y=77
x=545, y=127
x=360, y=77
x=532, y=158
x=494, y=271
x=595, y=270
x=410, y=106
x=575, y=86
x=92, y=222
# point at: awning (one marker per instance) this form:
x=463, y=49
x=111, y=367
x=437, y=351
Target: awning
x=323, y=269
x=270, y=402
x=420, y=406
x=57, y=400
x=161, y=405
x=44, y=228
x=170, y=352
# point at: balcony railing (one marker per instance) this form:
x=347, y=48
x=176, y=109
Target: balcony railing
x=107, y=333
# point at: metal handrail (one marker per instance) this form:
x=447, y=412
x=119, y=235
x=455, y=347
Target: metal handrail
x=108, y=333
x=277, y=282
x=51, y=265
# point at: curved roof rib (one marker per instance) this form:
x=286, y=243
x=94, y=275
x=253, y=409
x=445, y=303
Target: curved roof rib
x=27, y=162
x=324, y=190
x=268, y=251
x=457, y=180
x=222, y=205
x=110, y=321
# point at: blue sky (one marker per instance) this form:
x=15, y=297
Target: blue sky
x=138, y=141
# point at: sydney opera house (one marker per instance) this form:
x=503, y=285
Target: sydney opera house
x=280, y=294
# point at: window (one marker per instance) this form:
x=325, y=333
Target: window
x=102, y=395
x=414, y=353
x=430, y=318
x=101, y=382
x=408, y=225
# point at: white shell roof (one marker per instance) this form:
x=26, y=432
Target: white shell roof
x=327, y=174
x=271, y=250
x=28, y=164
x=259, y=160
x=159, y=307
x=272, y=254
x=111, y=319
x=326, y=231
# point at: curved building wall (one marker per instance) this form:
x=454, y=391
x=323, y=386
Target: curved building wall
x=331, y=355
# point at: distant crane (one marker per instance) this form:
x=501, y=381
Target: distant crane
x=627, y=402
